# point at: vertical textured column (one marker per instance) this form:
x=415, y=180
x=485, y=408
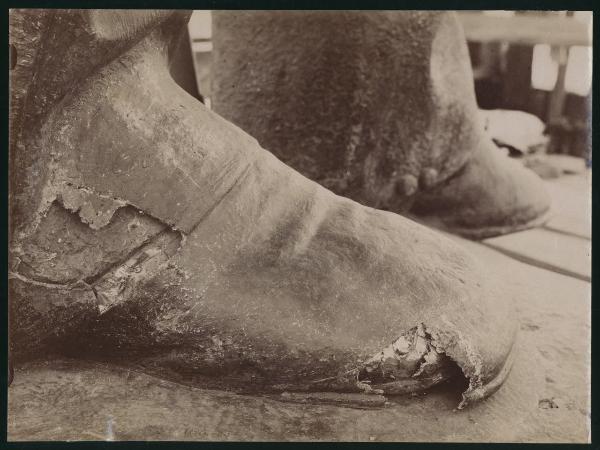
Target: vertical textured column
x=365, y=103
x=376, y=106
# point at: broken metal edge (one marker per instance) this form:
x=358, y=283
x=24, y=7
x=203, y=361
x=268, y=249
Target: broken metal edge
x=480, y=391
x=477, y=390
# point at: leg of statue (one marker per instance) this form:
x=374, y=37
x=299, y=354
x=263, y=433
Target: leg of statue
x=147, y=230
x=376, y=106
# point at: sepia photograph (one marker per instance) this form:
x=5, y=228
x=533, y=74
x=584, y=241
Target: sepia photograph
x=299, y=225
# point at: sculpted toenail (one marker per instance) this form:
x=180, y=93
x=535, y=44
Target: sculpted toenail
x=422, y=357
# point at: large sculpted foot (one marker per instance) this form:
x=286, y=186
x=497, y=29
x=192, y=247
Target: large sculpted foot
x=378, y=106
x=159, y=235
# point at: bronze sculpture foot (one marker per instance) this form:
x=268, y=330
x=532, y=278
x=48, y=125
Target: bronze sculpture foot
x=378, y=106
x=159, y=235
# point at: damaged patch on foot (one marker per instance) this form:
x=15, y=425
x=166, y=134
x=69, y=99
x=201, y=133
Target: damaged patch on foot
x=94, y=209
x=411, y=363
x=422, y=357
x=414, y=362
x=417, y=360
x=118, y=284
x=122, y=247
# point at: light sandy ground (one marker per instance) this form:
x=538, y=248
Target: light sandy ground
x=545, y=399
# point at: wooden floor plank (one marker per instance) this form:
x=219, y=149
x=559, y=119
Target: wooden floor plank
x=572, y=205
x=561, y=253
x=525, y=29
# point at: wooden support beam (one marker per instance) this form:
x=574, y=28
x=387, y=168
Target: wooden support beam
x=552, y=30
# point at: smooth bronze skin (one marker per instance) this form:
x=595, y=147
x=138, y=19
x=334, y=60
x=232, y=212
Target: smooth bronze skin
x=378, y=106
x=148, y=231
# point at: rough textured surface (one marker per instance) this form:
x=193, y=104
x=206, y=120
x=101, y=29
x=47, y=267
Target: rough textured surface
x=241, y=274
x=376, y=106
x=63, y=250
x=546, y=398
